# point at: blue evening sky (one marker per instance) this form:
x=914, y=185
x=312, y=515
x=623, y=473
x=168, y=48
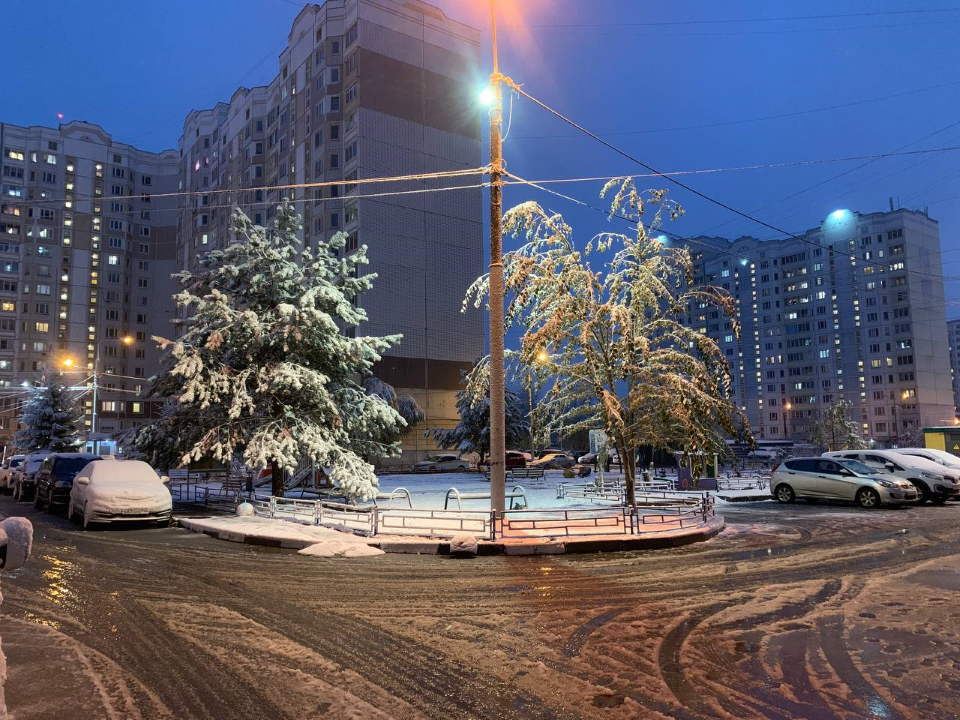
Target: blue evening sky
x=639, y=72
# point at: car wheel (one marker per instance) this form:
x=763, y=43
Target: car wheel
x=72, y=513
x=868, y=498
x=86, y=520
x=461, y=467
x=938, y=499
x=433, y=468
x=923, y=494
x=785, y=493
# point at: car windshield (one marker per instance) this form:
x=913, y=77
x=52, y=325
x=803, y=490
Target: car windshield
x=858, y=467
x=67, y=468
x=16, y=462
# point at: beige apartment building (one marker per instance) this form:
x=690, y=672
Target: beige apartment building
x=86, y=253
x=364, y=89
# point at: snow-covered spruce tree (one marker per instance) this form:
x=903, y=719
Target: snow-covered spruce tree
x=406, y=405
x=622, y=358
x=472, y=433
x=833, y=430
x=262, y=370
x=51, y=419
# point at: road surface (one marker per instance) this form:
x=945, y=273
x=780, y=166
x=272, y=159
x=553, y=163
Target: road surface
x=801, y=611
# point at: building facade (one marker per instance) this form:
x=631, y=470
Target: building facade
x=953, y=334
x=853, y=309
x=86, y=253
x=365, y=89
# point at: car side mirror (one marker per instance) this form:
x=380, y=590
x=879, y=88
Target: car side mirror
x=83, y=481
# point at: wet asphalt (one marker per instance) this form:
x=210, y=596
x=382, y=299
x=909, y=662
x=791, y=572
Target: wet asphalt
x=794, y=611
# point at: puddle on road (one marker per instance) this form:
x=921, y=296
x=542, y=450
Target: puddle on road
x=939, y=579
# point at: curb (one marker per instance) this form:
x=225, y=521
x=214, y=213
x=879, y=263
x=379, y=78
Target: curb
x=485, y=548
x=745, y=498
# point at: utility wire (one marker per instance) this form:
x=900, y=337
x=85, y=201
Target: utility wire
x=698, y=193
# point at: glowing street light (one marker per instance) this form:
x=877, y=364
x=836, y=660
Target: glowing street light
x=67, y=363
x=487, y=96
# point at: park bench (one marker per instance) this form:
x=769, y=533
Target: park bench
x=534, y=475
x=515, y=494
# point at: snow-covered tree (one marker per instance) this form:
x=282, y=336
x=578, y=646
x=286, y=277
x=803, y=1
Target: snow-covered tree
x=406, y=405
x=835, y=431
x=265, y=367
x=472, y=433
x=621, y=354
x=51, y=419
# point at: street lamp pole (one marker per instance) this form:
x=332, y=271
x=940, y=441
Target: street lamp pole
x=497, y=380
x=786, y=408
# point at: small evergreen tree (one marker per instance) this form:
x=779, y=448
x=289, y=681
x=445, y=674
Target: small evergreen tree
x=472, y=433
x=833, y=430
x=51, y=419
x=262, y=368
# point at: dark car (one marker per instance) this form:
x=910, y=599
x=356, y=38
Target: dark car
x=55, y=478
x=515, y=459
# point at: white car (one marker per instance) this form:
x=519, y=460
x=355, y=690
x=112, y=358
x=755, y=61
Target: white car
x=119, y=491
x=941, y=457
x=552, y=460
x=8, y=473
x=442, y=462
x=934, y=482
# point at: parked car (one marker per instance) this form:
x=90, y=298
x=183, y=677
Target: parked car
x=941, y=457
x=119, y=491
x=933, y=482
x=24, y=483
x=763, y=455
x=442, y=462
x=8, y=473
x=553, y=461
x=590, y=458
x=826, y=478
x=515, y=459
x=55, y=478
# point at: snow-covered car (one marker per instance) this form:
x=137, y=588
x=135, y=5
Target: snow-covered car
x=934, y=482
x=941, y=457
x=55, y=478
x=763, y=455
x=442, y=462
x=23, y=485
x=591, y=457
x=8, y=473
x=119, y=491
x=552, y=461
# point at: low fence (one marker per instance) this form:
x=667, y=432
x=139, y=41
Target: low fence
x=654, y=512
x=746, y=482
x=198, y=494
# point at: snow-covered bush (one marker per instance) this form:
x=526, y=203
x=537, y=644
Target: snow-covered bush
x=264, y=365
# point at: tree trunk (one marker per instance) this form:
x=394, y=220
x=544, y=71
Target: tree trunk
x=276, y=479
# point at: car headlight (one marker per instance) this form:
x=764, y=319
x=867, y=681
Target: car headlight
x=931, y=476
x=886, y=483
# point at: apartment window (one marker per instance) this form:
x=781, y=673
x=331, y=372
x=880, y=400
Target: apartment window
x=350, y=65
x=137, y=408
x=108, y=406
x=113, y=315
x=350, y=213
x=141, y=319
x=334, y=75
x=43, y=289
x=335, y=47
x=351, y=37
x=334, y=132
x=350, y=152
x=14, y=154
x=318, y=138
x=115, y=242
x=113, y=278
x=39, y=346
x=142, y=282
x=334, y=103
x=49, y=177
x=118, y=225
x=41, y=327
x=119, y=173
x=334, y=161
x=334, y=220
x=351, y=93
x=144, y=248
x=43, y=308
x=143, y=265
x=318, y=224
x=117, y=207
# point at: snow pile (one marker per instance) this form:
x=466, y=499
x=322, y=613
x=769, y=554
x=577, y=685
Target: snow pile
x=16, y=535
x=340, y=548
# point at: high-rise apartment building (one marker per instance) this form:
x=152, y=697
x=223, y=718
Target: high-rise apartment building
x=365, y=89
x=86, y=254
x=853, y=309
x=953, y=334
